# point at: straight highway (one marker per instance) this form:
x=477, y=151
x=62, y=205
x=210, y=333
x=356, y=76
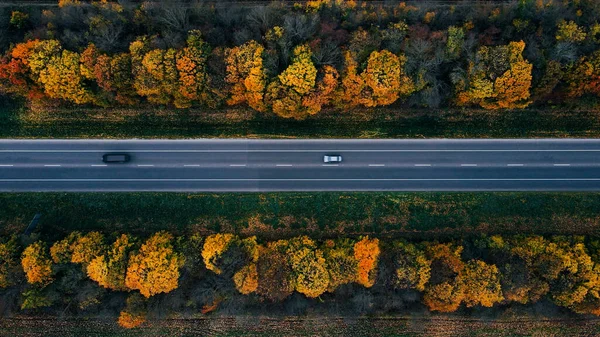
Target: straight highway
x=297, y=165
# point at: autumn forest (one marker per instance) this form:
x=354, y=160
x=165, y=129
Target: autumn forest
x=295, y=61
x=195, y=274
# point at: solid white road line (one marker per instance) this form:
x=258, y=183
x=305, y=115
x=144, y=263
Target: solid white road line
x=468, y=165
x=514, y=165
x=296, y=150
x=422, y=165
x=376, y=165
x=562, y=164
x=301, y=179
x=52, y=165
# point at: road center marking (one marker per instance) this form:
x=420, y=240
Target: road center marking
x=283, y=165
x=376, y=165
x=562, y=164
x=513, y=165
x=53, y=165
x=98, y=165
x=145, y=165
x=330, y=165
x=239, y=165
x=468, y=165
x=195, y=165
x=422, y=165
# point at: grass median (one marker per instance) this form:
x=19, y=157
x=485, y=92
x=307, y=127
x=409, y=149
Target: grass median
x=18, y=121
x=321, y=214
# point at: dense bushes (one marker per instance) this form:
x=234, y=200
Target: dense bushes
x=443, y=276
x=295, y=60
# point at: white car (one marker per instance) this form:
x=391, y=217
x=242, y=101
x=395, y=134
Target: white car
x=332, y=158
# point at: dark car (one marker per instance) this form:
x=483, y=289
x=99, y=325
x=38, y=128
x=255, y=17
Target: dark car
x=116, y=158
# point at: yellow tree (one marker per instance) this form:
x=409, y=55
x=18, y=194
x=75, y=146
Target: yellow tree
x=286, y=92
x=499, y=78
x=87, y=247
x=61, y=251
x=382, y=82
x=62, y=78
x=37, y=264
x=340, y=262
x=308, y=266
x=366, y=252
x=481, y=283
x=155, y=267
x=109, y=270
x=214, y=247
x=246, y=75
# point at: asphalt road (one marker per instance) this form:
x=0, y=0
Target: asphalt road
x=297, y=165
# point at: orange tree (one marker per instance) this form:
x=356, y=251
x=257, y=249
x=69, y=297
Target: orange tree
x=445, y=290
x=15, y=75
x=191, y=66
x=37, y=264
x=246, y=279
x=499, y=78
x=246, y=75
x=366, y=253
x=155, y=267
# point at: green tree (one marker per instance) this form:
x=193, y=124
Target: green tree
x=9, y=262
x=413, y=268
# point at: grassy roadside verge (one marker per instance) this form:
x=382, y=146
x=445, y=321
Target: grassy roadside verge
x=435, y=326
x=16, y=121
x=276, y=215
